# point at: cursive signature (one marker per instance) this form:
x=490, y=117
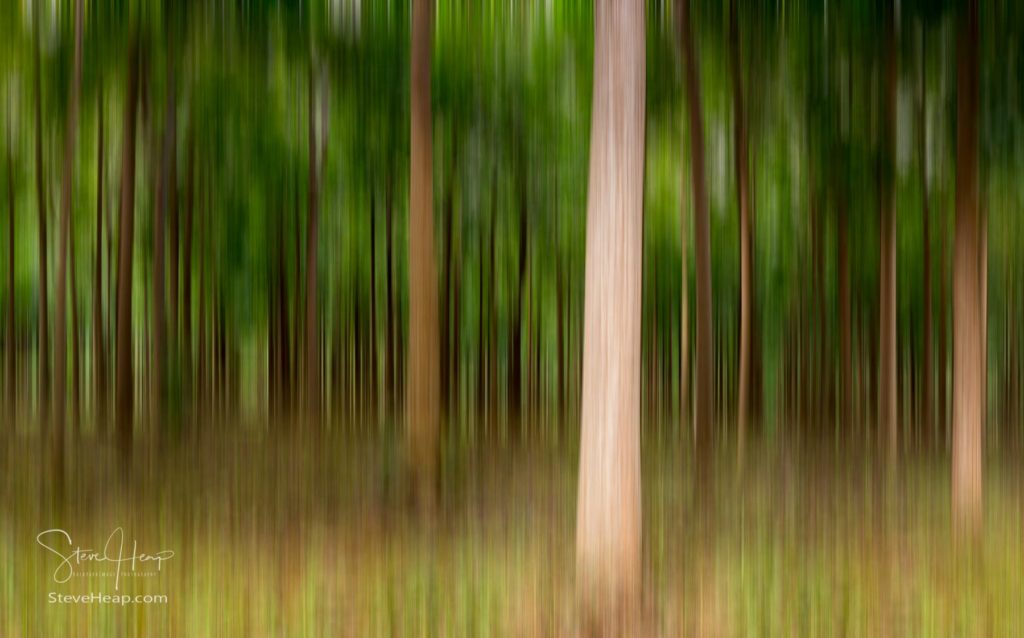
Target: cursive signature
x=112, y=552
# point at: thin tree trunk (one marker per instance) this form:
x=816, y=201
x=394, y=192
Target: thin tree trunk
x=44, y=321
x=705, y=380
x=968, y=400
x=12, y=370
x=60, y=325
x=746, y=248
x=312, y=380
x=446, y=288
x=186, y=269
x=927, y=373
x=99, y=348
x=492, y=364
x=887, y=396
x=164, y=201
x=126, y=233
x=608, y=523
x=391, y=382
x=423, y=401
x=516, y=346
x=76, y=350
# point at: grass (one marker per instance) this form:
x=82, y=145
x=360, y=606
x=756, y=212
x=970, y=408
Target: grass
x=308, y=536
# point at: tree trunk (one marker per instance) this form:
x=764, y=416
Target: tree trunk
x=746, y=247
x=99, y=349
x=44, y=321
x=373, y=305
x=927, y=374
x=704, y=394
x=126, y=232
x=186, y=270
x=845, y=340
x=60, y=325
x=887, y=397
x=76, y=350
x=164, y=200
x=608, y=538
x=312, y=380
x=12, y=370
x=423, y=400
x=968, y=400
x=515, y=356
x=392, y=361
x=446, y=287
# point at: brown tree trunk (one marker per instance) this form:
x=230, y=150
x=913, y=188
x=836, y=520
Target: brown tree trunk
x=76, y=350
x=60, y=321
x=968, y=400
x=423, y=401
x=126, y=233
x=12, y=370
x=492, y=338
x=312, y=380
x=515, y=355
x=44, y=321
x=99, y=348
x=704, y=396
x=887, y=399
x=164, y=200
x=373, y=306
x=927, y=373
x=845, y=340
x=608, y=538
x=186, y=270
x=446, y=287
x=392, y=360
x=746, y=247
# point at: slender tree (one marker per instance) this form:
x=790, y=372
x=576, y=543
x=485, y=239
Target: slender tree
x=608, y=521
x=887, y=375
x=12, y=369
x=312, y=341
x=44, y=320
x=126, y=232
x=99, y=350
x=60, y=325
x=423, y=400
x=968, y=400
x=701, y=223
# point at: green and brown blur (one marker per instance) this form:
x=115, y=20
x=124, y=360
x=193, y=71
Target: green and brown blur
x=469, y=318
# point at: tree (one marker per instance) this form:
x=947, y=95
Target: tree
x=423, y=399
x=968, y=400
x=12, y=370
x=701, y=227
x=125, y=379
x=887, y=399
x=44, y=321
x=608, y=515
x=60, y=325
x=99, y=350
x=312, y=341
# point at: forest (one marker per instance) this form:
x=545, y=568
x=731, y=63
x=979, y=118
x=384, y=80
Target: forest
x=561, y=317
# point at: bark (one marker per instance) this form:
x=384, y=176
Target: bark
x=887, y=376
x=60, y=321
x=164, y=201
x=44, y=321
x=99, y=348
x=927, y=373
x=126, y=232
x=968, y=400
x=186, y=266
x=392, y=361
x=608, y=526
x=746, y=245
x=704, y=396
x=423, y=400
x=12, y=369
x=312, y=380
x=373, y=306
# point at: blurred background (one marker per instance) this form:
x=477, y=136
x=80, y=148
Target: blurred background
x=213, y=293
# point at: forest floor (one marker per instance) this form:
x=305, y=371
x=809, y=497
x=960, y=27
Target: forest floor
x=314, y=535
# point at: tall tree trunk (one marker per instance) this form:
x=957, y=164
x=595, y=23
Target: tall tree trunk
x=927, y=373
x=44, y=321
x=126, y=233
x=608, y=538
x=373, y=306
x=312, y=380
x=99, y=348
x=845, y=313
x=12, y=370
x=60, y=322
x=968, y=400
x=492, y=303
x=515, y=356
x=164, y=201
x=423, y=401
x=186, y=269
x=76, y=350
x=887, y=398
x=704, y=393
x=942, y=365
x=446, y=287
x=391, y=382
x=746, y=247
